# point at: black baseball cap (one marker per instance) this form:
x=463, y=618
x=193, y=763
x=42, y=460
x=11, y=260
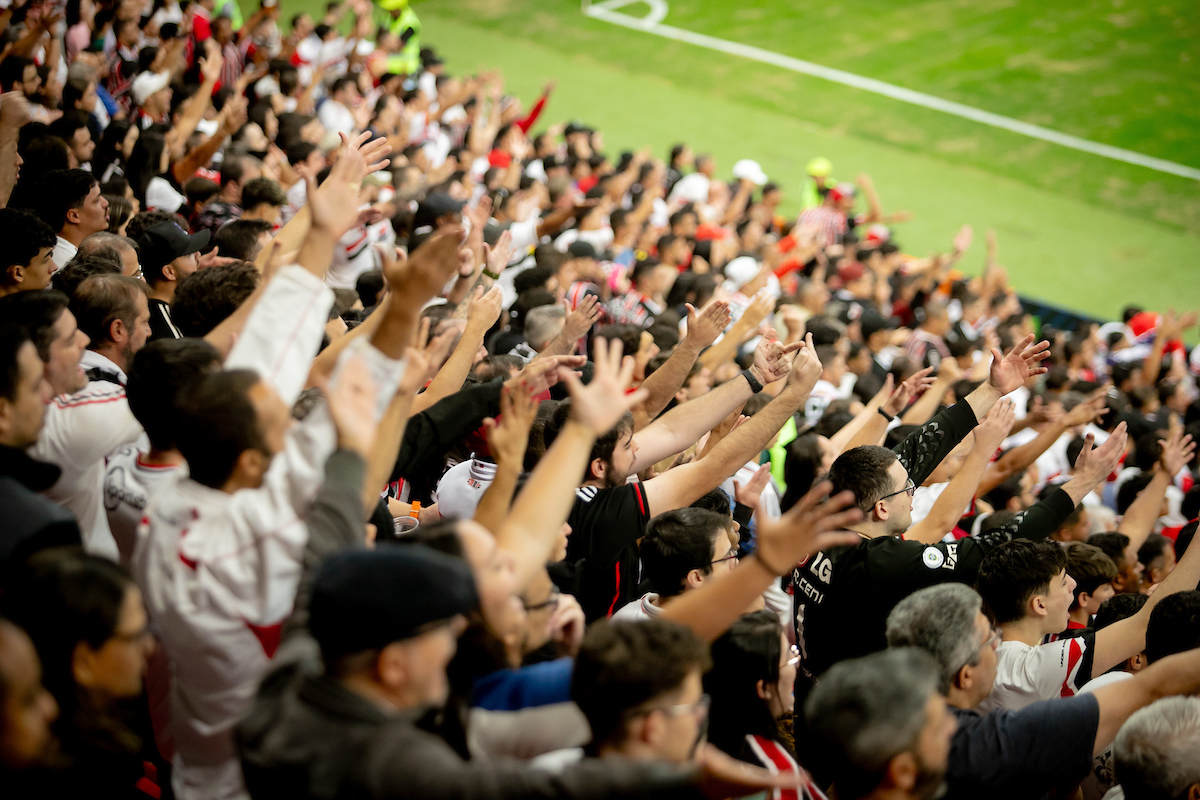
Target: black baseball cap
x=433, y=206
x=161, y=244
x=368, y=599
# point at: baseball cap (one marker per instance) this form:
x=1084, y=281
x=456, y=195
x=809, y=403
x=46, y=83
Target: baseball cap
x=741, y=271
x=461, y=488
x=843, y=191
x=161, y=244
x=749, y=170
x=433, y=206
x=366, y=599
x=147, y=83
x=872, y=321
x=819, y=167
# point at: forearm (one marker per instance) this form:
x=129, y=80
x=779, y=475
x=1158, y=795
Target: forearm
x=1139, y=519
x=290, y=236
x=450, y=377
x=1044, y=517
x=867, y=427
x=1177, y=674
x=396, y=329
x=493, y=506
x=388, y=435
x=712, y=608
x=1019, y=458
x=923, y=450
x=724, y=350
x=926, y=405
x=669, y=378
x=953, y=501
x=537, y=516
x=8, y=164
x=683, y=425
x=178, y=135
x=182, y=170
x=749, y=439
x=323, y=364
x=317, y=252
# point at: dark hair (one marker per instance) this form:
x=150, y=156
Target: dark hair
x=1174, y=625
x=1014, y=572
x=120, y=211
x=262, y=191
x=66, y=597
x=525, y=303
x=716, y=501
x=24, y=235
x=863, y=471
x=12, y=71
x=144, y=162
x=622, y=666
x=1184, y=540
x=605, y=445
x=749, y=652
x=239, y=238
x=801, y=467
x=1113, y=545
x=200, y=190
x=207, y=297
x=36, y=313
x=12, y=339
x=1089, y=567
x=677, y=542
x=233, y=169
x=101, y=300
x=1154, y=548
x=148, y=219
x=629, y=335
x=300, y=151
x=161, y=374
x=84, y=266
x=1117, y=608
x=643, y=269
x=368, y=286
x=58, y=192
x=532, y=278
x=217, y=424
x=491, y=367
x=72, y=120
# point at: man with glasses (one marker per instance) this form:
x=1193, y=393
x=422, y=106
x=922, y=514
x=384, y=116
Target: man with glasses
x=1024, y=753
x=681, y=550
x=852, y=588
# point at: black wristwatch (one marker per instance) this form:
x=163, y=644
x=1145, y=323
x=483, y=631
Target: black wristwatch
x=755, y=386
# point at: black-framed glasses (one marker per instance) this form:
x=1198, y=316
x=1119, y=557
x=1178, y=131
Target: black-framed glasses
x=910, y=488
x=733, y=556
x=549, y=602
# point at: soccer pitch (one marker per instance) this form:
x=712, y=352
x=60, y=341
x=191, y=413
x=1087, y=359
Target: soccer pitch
x=1076, y=229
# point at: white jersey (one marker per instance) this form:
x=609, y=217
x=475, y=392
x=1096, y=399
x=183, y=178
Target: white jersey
x=79, y=431
x=1025, y=674
x=129, y=483
x=219, y=571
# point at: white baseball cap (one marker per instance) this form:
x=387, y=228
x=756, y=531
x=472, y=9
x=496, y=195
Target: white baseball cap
x=750, y=171
x=740, y=271
x=147, y=83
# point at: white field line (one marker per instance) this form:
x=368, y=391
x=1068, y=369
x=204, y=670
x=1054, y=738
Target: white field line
x=658, y=10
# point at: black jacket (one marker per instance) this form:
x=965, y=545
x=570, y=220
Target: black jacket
x=29, y=521
x=310, y=737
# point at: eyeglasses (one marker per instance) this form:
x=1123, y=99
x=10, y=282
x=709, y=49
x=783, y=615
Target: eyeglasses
x=910, y=488
x=549, y=602
x=992, y=641
x=733, y=556
x=698, y=708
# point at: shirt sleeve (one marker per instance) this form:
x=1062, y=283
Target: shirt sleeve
x=921, y=452
x=1024, y=753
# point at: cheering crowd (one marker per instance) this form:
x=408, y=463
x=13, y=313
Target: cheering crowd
x=364, y=435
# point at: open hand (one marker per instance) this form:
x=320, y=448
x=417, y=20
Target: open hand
x=509, y=436
x=751, y=493
x=1009, y=372
x=815, y=523
x=1095, y=464
x=995, y=426
x=601, y=404
x=1177, y=451
x=420, y=278
x=917, y=383
x=704, y=327
x=484, y=309
x=581, y=320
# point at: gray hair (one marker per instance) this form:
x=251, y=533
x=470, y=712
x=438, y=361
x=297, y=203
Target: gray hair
x=866, y=711
x=1157, y=751
x=542, y=324
x=105, y=240
x=941, y=621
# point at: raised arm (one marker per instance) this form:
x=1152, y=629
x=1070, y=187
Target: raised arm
x=962, y=488
x=682, y=485
x=575, y=326
x=537, y=516
x=508, y=438
x=683, y=425
x=927, y=404
x=816, y=523
x=702, y=330
x=482, y=313
x=1008, y=373
x=726, y=349
x=870, y=425
x=1173, y=675
x=1139, y=519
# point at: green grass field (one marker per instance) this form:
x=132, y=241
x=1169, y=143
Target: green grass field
x=1076, y=229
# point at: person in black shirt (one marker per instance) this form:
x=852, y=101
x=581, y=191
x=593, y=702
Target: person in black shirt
x=1006, y=754
x=853, y=588
x=610, y=513
x=168, y=256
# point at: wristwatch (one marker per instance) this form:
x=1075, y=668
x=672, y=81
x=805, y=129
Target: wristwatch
x=755, y=386
x=885, y=415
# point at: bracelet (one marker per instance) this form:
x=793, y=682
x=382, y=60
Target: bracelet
x=758, y=556
x=755, y=386
x=493, y=275
x=885, y=415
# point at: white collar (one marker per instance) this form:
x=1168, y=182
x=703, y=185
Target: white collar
x=93, y=360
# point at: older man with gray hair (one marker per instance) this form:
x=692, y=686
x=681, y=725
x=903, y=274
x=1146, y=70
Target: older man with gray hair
x=542, y=324
x=882, y=725
x=1158, y=751
x=1022, y=753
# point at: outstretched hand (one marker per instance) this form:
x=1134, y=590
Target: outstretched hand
x=352, y=405
x=705, y=326
x=334, y=204
x=816, y=523
x=421, y=277
x=751, y=494
x=1009, y=372
x=994, y=428
x=1095, y=464
x=601, y=404
x=509, y=436
x=916, y=384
